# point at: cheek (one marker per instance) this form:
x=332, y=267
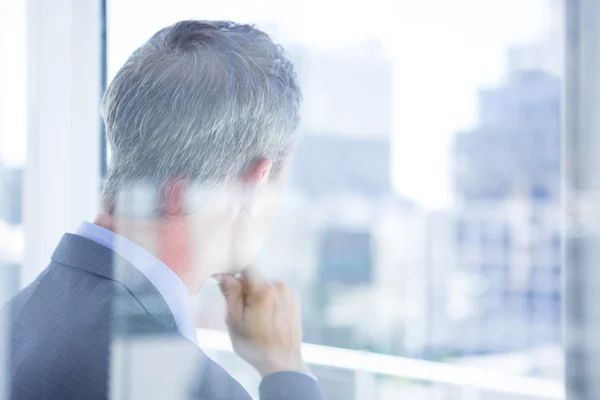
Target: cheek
x=211, y=246
x=268, y=208
x=248, y=239
x=257, y=231
x=215, y=254
x=223, y=245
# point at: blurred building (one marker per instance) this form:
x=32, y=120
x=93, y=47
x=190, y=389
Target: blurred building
x=347, y=91
x=327, y=164
x=515, y=150
x=11, y=195
x=507, y=176
x=11, y=230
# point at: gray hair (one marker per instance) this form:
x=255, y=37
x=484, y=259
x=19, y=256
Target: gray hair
x=199, y=101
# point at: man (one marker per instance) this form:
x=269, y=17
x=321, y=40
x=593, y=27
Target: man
x=201, y=123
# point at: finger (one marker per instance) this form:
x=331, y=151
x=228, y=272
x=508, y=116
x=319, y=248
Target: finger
x=283, y=294
x=231, y=288
x=283, y=289
x=253, y=281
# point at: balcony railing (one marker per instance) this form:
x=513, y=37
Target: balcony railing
x=367, y=364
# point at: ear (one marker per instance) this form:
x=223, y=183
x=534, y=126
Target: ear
x=257, y=172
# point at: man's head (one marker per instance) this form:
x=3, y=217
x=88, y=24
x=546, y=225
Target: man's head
x=210, y=107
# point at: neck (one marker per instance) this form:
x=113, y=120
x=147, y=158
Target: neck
x=167, y=239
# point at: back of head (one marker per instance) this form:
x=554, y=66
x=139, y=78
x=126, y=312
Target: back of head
x=198, y=102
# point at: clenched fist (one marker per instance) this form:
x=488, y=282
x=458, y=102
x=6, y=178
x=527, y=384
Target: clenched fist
x=264, y=321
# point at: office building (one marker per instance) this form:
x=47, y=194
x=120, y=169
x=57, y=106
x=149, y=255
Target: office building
x=507, y=177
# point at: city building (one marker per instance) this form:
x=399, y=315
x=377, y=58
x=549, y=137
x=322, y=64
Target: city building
x=11, y=188
x=507, y=182
x=11, y=230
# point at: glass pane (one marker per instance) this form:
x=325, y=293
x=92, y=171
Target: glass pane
x=421, y=220
x=12, y=132
x=12, y=161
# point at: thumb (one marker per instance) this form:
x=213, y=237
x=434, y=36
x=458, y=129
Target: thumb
x=253, y=281
x=231, y=288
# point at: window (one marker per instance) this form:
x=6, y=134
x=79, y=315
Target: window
x=12, y=144
x=394, y=92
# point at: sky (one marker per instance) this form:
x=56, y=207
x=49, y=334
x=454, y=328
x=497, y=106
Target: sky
x=442, y=52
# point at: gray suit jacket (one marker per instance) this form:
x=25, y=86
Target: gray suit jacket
x=91, y=326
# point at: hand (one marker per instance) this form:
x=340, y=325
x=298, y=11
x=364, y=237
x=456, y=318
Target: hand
x=264, y=321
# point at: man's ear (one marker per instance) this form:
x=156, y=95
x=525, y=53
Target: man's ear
x=257, y=172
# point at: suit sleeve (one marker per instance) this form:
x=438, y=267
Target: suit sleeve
x=290, y=386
